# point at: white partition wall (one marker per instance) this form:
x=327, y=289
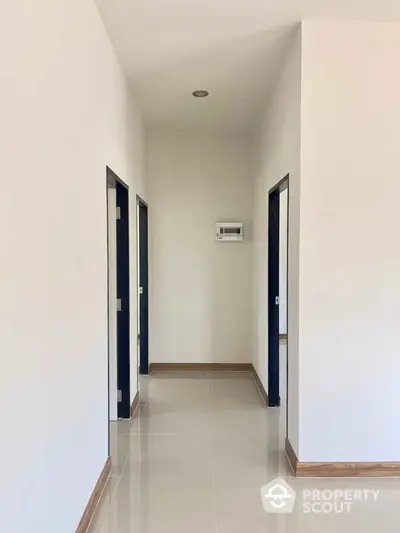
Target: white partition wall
x=112, y=304
x=349, y=243
x=283, y=219
x=66, y=113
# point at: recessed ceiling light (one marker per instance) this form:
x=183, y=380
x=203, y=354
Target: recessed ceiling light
x=200, y=94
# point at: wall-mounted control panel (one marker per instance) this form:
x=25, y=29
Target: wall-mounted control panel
x=229, y=231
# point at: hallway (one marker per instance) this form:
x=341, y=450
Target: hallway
x=197, y=456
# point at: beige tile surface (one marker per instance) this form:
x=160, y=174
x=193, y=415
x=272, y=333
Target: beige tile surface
x=197, y=456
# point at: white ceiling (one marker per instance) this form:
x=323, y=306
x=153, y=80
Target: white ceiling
x=232, y=48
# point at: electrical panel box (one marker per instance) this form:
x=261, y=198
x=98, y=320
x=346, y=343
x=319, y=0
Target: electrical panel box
x=229, y=231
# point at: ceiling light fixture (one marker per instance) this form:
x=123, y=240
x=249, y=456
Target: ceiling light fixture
x=200, y=94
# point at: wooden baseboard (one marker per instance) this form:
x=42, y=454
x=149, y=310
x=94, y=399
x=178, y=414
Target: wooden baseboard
x=209, y=367
x=342, y=469
x=291, y=456
x=135, y=405
x=260, y=386
x=94, y=498
x=385, y=469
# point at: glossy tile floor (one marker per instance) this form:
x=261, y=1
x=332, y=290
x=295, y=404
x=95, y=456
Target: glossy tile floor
x=197, y=456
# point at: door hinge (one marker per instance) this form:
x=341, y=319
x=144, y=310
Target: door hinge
x=118, y=214
x=140, y=290
x=119, y=304
x=119, y=395
x=276, y=300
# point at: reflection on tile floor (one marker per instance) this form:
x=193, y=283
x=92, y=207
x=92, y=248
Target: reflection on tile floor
x=197, y=456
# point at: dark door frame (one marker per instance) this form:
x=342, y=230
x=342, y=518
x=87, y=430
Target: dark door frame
x=123, y=293
x=143, y=283
x=273, y=292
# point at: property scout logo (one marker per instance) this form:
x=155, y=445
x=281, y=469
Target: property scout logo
x=279, y=497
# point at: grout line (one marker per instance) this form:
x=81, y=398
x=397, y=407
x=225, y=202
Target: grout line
x=211, y=454
x=114, y=494
x=123, y=468
x=215, y=503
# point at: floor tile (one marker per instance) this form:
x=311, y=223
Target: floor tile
x=233, y=392
x=178, y=394
x=197, y=455
x=158, y=418
x=170, y=458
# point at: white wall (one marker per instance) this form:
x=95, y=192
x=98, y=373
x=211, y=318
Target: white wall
x=65, y=114
x=349, y=253
x=283, y=220
x=200, y=289
x=279, y=155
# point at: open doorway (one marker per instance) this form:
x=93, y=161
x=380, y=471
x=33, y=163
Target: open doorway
x=143, y=286
x=278, y=203
x=118, y=297
x=283, y=284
